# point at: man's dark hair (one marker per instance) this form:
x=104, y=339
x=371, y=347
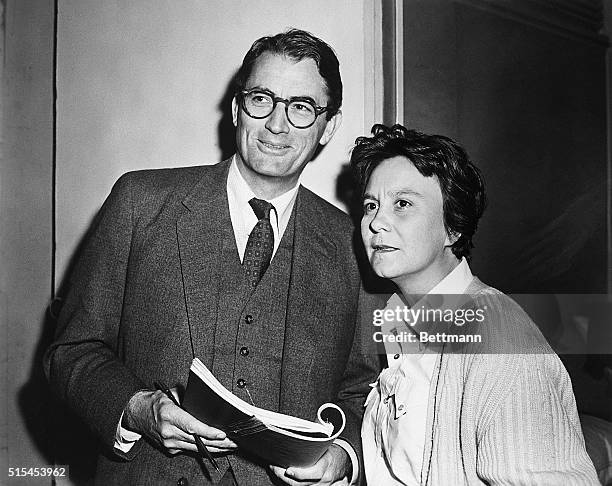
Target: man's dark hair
x=298, y=45
x=461, y=183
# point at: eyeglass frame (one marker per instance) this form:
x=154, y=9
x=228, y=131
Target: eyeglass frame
x=276, y=99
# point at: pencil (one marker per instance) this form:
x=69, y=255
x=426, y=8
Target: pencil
x=199, y=444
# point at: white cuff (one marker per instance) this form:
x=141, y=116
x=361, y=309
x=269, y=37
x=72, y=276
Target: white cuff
x=353, y=455
x=124, y=438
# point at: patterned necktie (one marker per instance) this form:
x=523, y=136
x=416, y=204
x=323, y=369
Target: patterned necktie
x=260, y=244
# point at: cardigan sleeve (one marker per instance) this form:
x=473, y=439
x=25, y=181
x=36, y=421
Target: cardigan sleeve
x=534, y=435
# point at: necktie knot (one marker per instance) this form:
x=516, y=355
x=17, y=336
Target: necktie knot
x=261, y=208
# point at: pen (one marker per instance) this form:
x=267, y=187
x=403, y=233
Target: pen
x=199, y=444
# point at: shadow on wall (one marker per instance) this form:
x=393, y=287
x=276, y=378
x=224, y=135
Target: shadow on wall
x=348, y=192
x=226, y=132
x=59, y=435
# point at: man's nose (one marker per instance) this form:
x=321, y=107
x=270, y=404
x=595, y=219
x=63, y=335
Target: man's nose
x=277, y=121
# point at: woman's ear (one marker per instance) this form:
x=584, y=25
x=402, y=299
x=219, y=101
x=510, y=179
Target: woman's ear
x=451, y=238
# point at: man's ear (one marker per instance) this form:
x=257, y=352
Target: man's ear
x=235, y=111
x=330, y=128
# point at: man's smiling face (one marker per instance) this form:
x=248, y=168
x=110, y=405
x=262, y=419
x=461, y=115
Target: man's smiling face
x=270, y=151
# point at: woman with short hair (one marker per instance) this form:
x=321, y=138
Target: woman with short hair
x=483, y=400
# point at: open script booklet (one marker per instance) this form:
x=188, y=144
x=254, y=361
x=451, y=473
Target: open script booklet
x=275, y=438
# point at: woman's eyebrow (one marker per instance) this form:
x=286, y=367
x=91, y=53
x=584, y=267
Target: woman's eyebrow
x=405, y=192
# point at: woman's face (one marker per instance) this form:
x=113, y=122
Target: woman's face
x=403, y=227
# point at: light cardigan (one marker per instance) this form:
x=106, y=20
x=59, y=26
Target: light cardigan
x=507, y=416
x=397, y=404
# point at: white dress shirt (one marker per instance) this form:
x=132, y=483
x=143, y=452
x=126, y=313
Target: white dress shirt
x=394, y=424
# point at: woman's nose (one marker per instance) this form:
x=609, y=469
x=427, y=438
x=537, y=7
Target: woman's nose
x=379, y=222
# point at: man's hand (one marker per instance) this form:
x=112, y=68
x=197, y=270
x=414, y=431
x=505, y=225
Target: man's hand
x=334, y=467
x=152, y=414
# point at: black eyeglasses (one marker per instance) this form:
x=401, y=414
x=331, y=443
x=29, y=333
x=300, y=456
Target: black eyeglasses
x=301, y=111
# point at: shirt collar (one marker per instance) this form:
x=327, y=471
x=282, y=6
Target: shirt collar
x=456, y=282
x=242, y=194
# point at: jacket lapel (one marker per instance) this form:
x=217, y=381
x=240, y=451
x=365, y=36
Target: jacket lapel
x=313, y=265
x=201, y=231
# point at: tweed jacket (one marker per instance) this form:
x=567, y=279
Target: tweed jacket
x=144, y=291
x=503, y=412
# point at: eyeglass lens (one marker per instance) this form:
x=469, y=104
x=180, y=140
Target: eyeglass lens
x=257, y=104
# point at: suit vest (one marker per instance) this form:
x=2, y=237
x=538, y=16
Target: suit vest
x=249, y=335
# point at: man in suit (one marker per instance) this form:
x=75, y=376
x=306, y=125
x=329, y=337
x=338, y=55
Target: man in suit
x=234, y=263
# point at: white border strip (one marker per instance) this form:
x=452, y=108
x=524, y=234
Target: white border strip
x=373, y=64
x=399, y=61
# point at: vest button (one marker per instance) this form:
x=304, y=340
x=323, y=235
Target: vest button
x=182, y=482
x=244, y=351
x=248, y=319
x=241, y=383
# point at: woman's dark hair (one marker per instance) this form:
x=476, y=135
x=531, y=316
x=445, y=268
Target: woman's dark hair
x=298, y=45
x=460, y=181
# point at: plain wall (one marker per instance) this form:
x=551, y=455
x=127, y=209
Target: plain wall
x=26, y=152
x=140, y=86
x=608, y=30
x=526, y=96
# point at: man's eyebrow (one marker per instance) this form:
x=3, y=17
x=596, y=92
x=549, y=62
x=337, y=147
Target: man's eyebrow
x=297, y=98
x=259, y=88
x=367, y=195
